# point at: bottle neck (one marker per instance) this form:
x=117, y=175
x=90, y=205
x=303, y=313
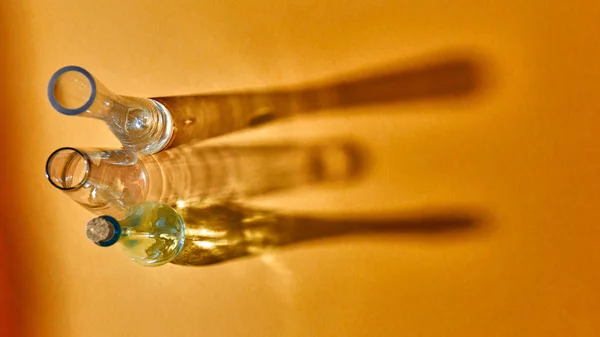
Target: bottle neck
x=142, y=125
x=130, y=222
x=106, y=182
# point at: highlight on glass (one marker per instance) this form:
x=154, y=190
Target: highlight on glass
x=142, y=125
x=109, y=181
x=102, y=181
x=152, y=234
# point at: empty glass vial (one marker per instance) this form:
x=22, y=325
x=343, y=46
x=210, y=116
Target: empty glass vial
x=148, y=125
x=142, y=125
x=102, y=181
x=152, y=234
x=111, y=181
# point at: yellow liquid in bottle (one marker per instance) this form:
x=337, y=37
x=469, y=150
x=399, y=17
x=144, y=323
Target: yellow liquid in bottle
x=152, y=234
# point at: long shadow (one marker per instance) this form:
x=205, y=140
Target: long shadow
x=218, y=234
x=209, y=115
x=225, y=174
x=108, y=182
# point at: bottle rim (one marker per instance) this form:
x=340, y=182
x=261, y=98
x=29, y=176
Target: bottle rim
x=50, y=176
x=57, y=106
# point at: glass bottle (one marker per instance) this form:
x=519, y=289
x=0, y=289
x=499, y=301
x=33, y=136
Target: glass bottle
x=142, y=125
x=102, y=181
x=149, y=125
x=152, y=234
x=110, y=181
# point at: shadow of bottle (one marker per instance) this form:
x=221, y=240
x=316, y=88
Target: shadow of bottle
x=216, y=234
x=109, y=181
x=221, y=174
x=209, y=115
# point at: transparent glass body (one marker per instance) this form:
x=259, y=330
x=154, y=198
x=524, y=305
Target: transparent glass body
x=102, y=181
x=141, y=125
x=150, y=125
x=108, y=182
x=152, y=234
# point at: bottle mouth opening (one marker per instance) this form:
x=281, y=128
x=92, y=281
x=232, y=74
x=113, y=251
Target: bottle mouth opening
x=71, y=90
x=67, y=168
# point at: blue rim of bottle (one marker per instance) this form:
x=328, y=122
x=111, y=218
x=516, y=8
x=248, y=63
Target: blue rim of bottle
x=62, y=109
x=116, y=234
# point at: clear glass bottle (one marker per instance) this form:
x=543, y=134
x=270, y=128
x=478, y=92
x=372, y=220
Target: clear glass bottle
x=102, y=181
x=110, y=181
x=149, y=125
x=152, y=233
x=142, y=125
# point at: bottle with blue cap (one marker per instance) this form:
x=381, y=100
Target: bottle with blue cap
x=190, y=234
x=152, y=234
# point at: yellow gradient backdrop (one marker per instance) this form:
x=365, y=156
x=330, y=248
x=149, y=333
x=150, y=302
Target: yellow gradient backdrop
x=523, y=152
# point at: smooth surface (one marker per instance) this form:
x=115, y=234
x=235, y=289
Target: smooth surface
x=522, y=154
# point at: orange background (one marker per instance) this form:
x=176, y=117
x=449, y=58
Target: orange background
x=523, y=153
